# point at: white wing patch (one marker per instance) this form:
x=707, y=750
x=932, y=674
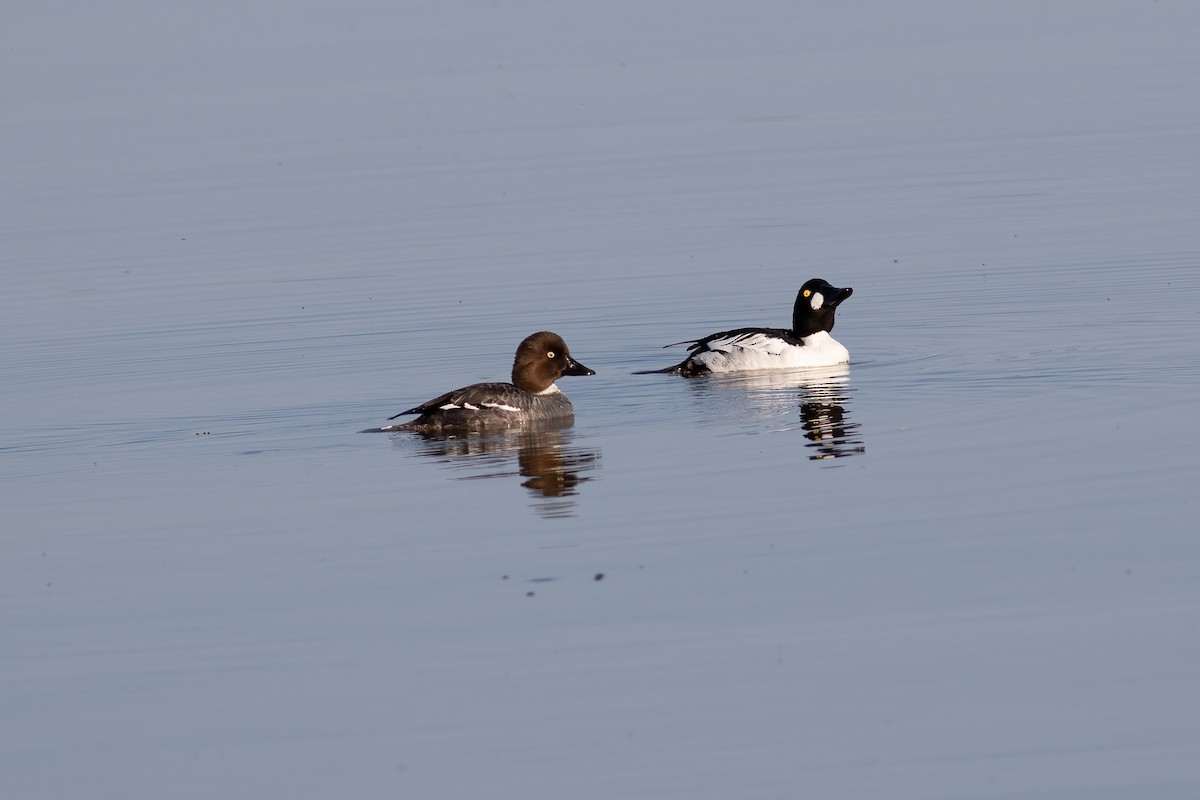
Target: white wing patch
x=759, y=342
x=448, y=407
x=470, y=407
x=500, y=407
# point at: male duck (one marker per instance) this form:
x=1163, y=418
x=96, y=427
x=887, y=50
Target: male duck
x=806, y=344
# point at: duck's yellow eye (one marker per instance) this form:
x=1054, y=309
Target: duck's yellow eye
x=807, y=292
x=550, y=354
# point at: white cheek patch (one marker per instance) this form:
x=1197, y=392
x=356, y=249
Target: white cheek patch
x=500, y=407
x=817, y=301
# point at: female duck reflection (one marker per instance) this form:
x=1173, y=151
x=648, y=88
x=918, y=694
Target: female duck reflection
x=824, y=400
x=553, y=466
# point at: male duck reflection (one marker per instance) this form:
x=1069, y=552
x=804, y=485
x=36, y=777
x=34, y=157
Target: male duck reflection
x=532, y=396
x=806, y=344
x=752, y=400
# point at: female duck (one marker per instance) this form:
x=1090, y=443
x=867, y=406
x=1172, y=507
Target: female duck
x=806, y=344
x=541, y=359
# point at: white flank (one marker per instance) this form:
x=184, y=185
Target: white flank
x=817, y=301
x=762, y=351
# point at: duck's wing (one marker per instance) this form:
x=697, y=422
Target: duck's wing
x=477, y=395
x=766, y=340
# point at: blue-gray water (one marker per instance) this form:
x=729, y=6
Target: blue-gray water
x=963, y=567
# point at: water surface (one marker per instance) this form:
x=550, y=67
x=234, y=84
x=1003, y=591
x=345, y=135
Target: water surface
x=964, y=566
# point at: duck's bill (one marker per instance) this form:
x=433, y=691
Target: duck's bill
x=837, y=296
x=575, y=368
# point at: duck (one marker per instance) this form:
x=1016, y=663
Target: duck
x=533, y=397
x=806, y=344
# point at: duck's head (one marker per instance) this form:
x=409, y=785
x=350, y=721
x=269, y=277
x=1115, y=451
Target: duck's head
x=816, y=303
x=541, y=360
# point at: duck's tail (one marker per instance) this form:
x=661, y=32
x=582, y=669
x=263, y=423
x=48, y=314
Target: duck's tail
x=674, y=369
x=388, y=428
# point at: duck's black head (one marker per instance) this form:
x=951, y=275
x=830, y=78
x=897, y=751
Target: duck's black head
x=542, y=359
x=816, y=303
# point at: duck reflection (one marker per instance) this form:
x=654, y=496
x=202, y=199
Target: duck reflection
x=823, y=396
x=553, y=466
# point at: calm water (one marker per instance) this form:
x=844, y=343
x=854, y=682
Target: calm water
x=964, y=566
